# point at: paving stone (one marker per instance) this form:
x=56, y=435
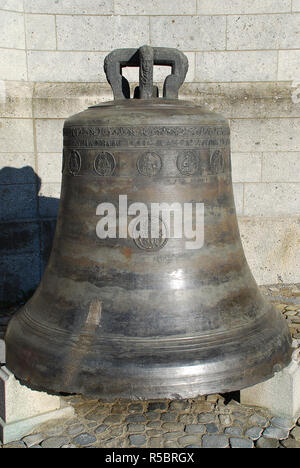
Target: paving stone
x=136, y=427
x=113, y=419
x=35, y=447
x=76, y=429
x=172, y=435
x=283, y=423
x=71, y=422
x=290, y=313
x=154, y=432
x=206, y=418
x=168, y=417
x=100, y=429
x=110, y=443
x=34, y=439
x=107, y=401
x=267, y=443
x=187, y=418
x=137, y=440
x=234, y=430
x=254, y=432
x=86, y=408
x=15, y=445
x=135, y=408
x=120, y=409
x=84, y=439
x=97, y=419
x=296, y=433
x=180, y=405
x=212, y=428
x=69, y=446
x=173, y=427
x=239, y=415
x=92, y=424
x=116, y=431
x=52, y=431
x=135, y=418
x=215, y=441
x=189, y=440
x=237, y=442
x=153, y=424
x=155, y=442
x=239, y=422
x=98, y=412
x=195, y=429
x=290, y=443
x=152, y=416
x=158, y=406
x=225, y=419
x=202, y=406
x=54, y=442
x=171, y=444
x=273, y=432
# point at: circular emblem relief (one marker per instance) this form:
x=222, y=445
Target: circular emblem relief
x=74, y=163
x=217, y=162
x=105, y=164
x=149, y=164
x=147, y=226
x=188, y=163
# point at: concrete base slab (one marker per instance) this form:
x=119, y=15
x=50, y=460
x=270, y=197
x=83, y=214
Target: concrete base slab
x=19, y=429
x=22, y=409
x=281, y=394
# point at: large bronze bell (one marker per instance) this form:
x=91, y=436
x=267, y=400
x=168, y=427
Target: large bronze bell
x=148, y=315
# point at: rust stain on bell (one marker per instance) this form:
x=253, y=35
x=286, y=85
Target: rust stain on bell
x=127, y=252
x=146, y=317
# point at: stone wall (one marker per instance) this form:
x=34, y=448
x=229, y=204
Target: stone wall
x=244, y=62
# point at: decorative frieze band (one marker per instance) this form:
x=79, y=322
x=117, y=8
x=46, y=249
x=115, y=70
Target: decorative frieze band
x=184, y=163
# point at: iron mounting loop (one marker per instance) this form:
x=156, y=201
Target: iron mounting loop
x=145, y=58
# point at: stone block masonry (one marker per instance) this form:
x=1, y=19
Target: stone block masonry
x=40, y=32
x=289, y=66
x=12, y=30
x=22, y=409
x=242, y=7
x=72, y=7
x=244, y=63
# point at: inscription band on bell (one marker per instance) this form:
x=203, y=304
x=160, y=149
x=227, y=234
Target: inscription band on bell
x=145, y=137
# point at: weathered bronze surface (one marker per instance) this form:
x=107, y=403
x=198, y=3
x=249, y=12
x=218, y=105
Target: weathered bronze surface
x=146, y=318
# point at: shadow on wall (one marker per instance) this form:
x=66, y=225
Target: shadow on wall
x=27, y=226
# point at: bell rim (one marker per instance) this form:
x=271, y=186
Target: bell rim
x=259, y=357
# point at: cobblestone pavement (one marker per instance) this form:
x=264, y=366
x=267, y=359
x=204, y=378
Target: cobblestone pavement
x=214, y=421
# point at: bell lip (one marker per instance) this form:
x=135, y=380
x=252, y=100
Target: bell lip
x=259, y=357
x=154, y=389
